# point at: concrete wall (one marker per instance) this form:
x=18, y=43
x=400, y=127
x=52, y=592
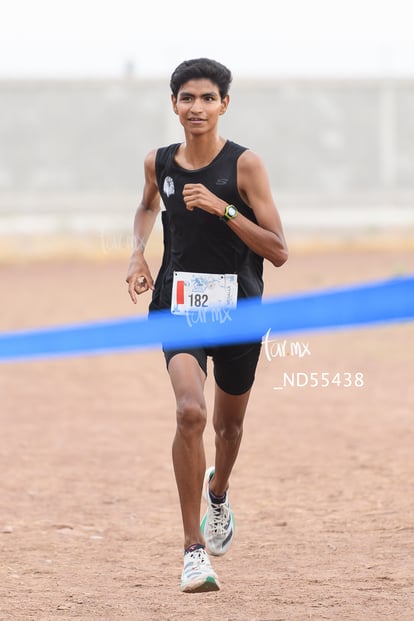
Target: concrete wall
x=71, y=153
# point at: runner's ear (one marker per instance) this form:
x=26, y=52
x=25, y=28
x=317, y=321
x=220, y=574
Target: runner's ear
x=224, y=104
x=174, y=104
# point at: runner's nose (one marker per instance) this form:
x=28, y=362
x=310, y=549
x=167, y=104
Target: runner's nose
x=196, y=106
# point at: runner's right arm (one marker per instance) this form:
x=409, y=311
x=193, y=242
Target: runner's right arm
x=139, y=277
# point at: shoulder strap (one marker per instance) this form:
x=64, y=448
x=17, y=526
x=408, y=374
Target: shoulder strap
x=163, y=159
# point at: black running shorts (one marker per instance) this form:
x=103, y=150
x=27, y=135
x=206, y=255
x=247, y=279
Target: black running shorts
x=234, y=365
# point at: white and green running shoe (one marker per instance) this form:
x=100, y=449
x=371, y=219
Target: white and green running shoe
x=218, y=523
x=198, y=575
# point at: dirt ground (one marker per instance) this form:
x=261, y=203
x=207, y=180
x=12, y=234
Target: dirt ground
x=322, y=491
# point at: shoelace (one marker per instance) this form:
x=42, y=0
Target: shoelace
x=219, y=524
x=198, y=556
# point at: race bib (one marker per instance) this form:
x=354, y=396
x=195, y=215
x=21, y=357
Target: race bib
x=193, y=292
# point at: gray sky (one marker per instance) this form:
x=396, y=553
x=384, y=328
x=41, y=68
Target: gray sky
x=310, y=38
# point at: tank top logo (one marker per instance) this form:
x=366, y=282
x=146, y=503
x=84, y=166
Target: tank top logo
x=168, y=186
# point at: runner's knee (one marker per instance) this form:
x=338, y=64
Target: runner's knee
x=191, y=416
x=229, y=430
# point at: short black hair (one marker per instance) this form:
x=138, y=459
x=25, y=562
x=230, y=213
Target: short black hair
x=199, y=68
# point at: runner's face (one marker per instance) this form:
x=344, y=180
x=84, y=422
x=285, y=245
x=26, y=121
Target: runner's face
x=198, y=105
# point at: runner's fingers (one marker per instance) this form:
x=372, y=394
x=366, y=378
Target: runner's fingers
x=132, y=293
x=141, y=284
x=192, y=194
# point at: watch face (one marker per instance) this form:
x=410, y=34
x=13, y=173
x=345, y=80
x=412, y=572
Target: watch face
x=231, y=211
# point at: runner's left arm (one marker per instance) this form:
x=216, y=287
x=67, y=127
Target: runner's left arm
x=266, y=238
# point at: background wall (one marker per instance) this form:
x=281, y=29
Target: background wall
x=340, y=153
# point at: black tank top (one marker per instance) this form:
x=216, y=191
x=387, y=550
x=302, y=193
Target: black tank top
x=197, y=241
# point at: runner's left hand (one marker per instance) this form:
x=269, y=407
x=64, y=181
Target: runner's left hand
x=197, y=195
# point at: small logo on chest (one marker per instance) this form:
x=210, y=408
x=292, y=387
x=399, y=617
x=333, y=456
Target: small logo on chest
x=222, y=181
x=168, y=186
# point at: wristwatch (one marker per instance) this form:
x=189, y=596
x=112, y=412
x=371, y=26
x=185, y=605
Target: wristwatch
x=230, y=213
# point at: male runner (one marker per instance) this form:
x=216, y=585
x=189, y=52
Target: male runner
x=220, y=219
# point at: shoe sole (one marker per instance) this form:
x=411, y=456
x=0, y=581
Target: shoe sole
x=209, y=584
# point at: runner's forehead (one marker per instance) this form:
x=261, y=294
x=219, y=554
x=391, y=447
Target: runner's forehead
x=201, y=86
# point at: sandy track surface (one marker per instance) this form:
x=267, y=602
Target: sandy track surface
x=322, y=492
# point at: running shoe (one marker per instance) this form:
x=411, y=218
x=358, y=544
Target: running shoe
x=218, y=523
x=198, y=575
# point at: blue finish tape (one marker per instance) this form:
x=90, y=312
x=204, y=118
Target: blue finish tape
x=358, y=305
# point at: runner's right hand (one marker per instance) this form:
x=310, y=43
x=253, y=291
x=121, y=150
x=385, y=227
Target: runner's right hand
x=138, y=277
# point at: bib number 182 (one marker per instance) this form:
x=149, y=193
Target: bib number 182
x=199, y=300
